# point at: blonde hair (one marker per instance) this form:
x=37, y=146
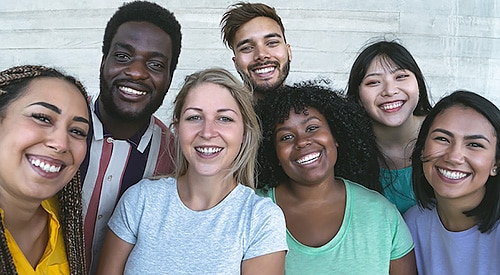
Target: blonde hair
x=243, y=169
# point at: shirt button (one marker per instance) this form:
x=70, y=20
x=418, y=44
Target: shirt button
x=99, y=217
x=110, y=178
x=109, y=140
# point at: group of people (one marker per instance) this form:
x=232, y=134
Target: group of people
x=253, y=177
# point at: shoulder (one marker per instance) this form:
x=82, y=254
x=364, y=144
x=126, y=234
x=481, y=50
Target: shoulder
x=361, y=193
x=418, y=215
x=152, y=187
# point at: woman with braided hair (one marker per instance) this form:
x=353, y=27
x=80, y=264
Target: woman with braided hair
x=44, y=121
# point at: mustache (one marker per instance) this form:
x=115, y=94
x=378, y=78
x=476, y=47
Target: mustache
x=260, y=64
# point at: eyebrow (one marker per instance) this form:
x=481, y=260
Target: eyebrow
x=309, y=118
x=218, y=110
x=130, y=48
x=390, y=71
x=58, y=111
x=469, y=137
x=269, y=35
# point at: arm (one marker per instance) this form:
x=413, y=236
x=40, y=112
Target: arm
x=269, y=264
x=114, y=254
x=404, y=266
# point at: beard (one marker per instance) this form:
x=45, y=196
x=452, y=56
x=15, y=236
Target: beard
x=114, y=111
x=262, y=89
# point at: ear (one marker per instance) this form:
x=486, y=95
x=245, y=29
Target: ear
x=494, y=170
x=289, y=49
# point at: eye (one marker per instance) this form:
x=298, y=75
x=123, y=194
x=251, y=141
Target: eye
x=311, y=128
x=156, y=66
x=193, y=118
x=371, y=82
x=79, y=133
x=402, y=76
x=286, y=137
x=441, y=138
x=41, y=117
x=121, y=57
x=475, y=145
x=226, y=119
x=246, y=49
x=273, y=43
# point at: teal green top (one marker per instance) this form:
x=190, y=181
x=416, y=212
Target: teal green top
x=397, y=187
x=371, y=235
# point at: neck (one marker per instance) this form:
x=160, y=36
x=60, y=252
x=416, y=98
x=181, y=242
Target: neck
x=201, y=192
x=120, y=128
x=451, y=211
x=396, y=143
x=17, y=214
x=311, y=192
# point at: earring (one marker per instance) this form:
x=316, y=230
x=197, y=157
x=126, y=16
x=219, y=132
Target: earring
x=494, y=171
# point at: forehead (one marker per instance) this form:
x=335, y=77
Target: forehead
x=463, y=120
x=257, y=28
x=143, y=36
x=382, y=63
x=210, y=96
x=303, y=116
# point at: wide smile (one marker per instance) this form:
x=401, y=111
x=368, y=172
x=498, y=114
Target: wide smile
x=45, y=165
x=452, y=175
x=308, y=159
x=130, y=92
x=208, y=151
x=392, y=106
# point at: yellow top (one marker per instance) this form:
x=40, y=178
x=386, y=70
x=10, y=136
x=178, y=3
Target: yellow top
x=54, y=260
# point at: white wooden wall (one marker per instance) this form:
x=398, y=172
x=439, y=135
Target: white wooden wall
x=455, y=42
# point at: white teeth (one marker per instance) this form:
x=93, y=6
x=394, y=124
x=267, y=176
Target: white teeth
x=45, y=166
x=308, y=159
x=208, y=150
x=452, y=175
x=131, y=91
x=264, y=70
x=393, y=105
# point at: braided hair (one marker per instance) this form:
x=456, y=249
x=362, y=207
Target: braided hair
x=13, y=85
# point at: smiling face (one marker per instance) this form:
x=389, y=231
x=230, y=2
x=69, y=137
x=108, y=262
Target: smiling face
x=459, y=155
x=388, y=94
x=262, y=57
x=210, y=130
x=43, y=140
x=135, y=75
x=306, y=148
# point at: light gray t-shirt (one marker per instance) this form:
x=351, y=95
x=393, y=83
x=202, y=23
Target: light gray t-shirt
x=170, y=238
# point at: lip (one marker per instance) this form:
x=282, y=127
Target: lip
x=392, y=106
x=265, y=70
x=451, y=175
x=46, y=166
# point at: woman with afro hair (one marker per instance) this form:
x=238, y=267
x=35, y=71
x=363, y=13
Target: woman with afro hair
x=316, y=146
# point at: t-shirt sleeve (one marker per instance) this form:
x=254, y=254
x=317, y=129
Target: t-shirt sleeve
x=126, y=217
x=267, y=230
x=402, y=240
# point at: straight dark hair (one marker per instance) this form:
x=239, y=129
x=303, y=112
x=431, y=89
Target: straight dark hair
x=487, y=213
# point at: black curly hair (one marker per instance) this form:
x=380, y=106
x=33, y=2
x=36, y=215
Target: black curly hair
x=357, y=152
x=144, y=11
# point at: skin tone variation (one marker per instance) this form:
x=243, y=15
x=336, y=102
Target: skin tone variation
x=459, y=157
x=43, y=136
x=135, y=77
x=261, y=55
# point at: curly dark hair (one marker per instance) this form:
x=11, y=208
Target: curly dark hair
x=357, y=151
x=144, y=11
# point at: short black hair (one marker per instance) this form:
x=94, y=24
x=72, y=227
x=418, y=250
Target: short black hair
x=144, y=11
x=350, y=126
x=487, y=213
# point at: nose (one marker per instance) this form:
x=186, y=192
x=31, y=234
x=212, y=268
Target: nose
x=390, y=88
x=208, y=130
x=261, y=53
x=137, y=70
x=455, y=154
x=58, y=140
x=302, y=142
